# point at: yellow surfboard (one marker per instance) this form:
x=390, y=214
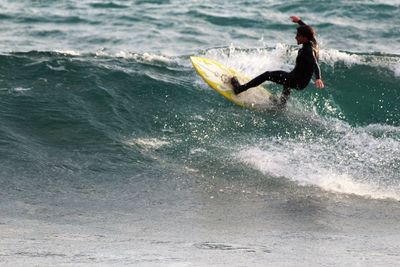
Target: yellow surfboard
x=218, y=76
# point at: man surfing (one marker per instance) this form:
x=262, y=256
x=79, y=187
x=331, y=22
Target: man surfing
x=300, y=76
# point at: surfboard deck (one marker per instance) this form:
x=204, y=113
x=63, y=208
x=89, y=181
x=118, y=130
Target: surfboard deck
x=218, y=76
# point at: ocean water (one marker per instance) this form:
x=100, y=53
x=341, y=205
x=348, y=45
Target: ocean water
x=113, y=152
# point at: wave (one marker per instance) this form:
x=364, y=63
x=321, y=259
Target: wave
x=108, y=112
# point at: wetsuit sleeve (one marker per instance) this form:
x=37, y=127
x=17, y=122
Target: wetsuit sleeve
x=301, y=23
x=317, y=70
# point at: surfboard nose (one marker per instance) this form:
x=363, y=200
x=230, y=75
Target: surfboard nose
x=194, y=59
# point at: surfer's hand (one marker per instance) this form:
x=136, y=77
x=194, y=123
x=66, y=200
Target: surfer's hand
x=319, y=84
x=294, y=19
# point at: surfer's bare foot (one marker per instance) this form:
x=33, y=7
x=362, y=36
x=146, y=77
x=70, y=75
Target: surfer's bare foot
x=235, y=85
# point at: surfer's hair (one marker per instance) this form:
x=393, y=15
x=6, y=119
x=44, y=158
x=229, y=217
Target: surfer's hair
x=308, y=32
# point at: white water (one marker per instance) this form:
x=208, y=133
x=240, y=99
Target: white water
x=355, y=162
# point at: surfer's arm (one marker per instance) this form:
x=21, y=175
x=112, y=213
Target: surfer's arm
x=297, y=20
x=317, y=72
x=317, y=69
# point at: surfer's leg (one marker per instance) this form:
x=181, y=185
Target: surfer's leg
x=284, y=96
x=280, y=77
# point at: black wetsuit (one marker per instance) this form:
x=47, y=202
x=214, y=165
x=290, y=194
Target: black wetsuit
x=298, y=78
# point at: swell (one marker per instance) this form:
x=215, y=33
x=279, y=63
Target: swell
x=105, y=94
x=96, y=113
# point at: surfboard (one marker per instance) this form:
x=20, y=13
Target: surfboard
x=218, y=76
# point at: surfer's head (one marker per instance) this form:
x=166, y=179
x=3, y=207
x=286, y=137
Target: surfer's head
x=305, y=34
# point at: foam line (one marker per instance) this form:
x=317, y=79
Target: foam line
x=355, y=162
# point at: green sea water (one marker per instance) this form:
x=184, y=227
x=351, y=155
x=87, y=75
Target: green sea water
x=114, y=152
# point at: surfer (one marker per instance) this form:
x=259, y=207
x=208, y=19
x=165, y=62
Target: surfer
x=300, y=76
